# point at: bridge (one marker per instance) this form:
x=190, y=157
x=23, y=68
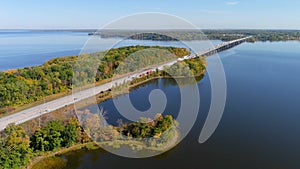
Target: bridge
x=36, y=111
x=217, y=49
x=222, y=47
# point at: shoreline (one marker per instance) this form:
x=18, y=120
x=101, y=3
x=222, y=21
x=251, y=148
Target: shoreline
x=115, y=144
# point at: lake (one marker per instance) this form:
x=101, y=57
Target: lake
x=22, y=48
x=260, y=126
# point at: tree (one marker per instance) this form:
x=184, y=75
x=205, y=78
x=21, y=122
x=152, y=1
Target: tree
x=71, y=132
x=54, y=130
x=39, y=141
x=15, y=148
x=146, y=128
x=49, y=137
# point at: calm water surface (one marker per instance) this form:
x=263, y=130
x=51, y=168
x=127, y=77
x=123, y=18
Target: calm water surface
x=260, y=127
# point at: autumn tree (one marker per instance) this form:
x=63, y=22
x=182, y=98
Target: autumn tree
x=15, y=148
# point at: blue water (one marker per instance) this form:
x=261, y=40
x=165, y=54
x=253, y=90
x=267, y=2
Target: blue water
x=26, y=48
x=29, y=48
x=260, y=127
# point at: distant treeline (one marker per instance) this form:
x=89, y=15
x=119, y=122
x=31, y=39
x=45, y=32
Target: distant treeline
x=188, y=35
x=26, y=85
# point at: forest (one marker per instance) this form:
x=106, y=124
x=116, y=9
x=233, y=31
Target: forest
x=18, y=147
x=29, y=84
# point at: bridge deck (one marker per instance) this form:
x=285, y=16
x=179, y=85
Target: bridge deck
x=218, y=48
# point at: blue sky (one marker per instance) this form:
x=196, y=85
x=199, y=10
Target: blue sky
x=221, y=14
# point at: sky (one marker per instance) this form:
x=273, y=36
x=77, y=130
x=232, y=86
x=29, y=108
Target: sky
x=205, y=14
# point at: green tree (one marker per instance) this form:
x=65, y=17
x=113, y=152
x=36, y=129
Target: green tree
x=49, y=137
x=71, y=132
x=15, y=148
x=39, y=141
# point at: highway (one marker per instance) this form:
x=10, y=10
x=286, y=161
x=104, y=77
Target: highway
x=47, y=107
